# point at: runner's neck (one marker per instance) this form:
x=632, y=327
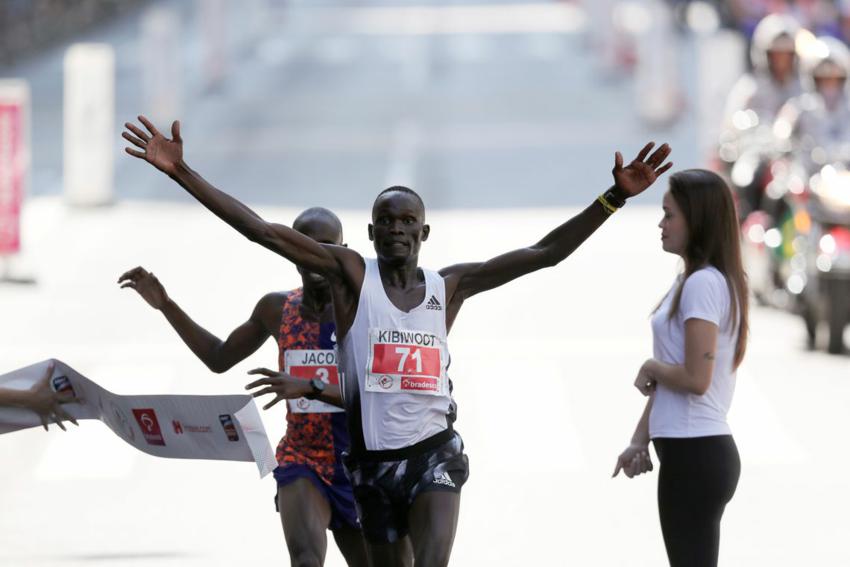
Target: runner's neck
x=316, y=299
x=401, y=277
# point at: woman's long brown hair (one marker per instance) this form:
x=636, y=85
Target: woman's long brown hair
x=713, y=239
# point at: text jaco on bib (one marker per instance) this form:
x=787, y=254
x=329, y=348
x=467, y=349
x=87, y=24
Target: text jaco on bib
x=404, y=361
x=309, y=364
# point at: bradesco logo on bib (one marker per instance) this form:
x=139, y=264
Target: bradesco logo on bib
x=309, y=364
x=404, y=362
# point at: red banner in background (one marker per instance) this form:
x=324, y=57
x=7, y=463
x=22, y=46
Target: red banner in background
x=11, y=176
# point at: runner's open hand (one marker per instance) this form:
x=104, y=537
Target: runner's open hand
x=633, y=461
x=156, y=149
x=146, y=284
x=642, y=172
x=282, y=385
x=47, y=403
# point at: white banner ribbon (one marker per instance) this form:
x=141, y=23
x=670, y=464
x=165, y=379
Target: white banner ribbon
x=225, y=428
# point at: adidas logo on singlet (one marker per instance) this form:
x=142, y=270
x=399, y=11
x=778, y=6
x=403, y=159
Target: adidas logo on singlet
x=434, y=304
x=444, y=479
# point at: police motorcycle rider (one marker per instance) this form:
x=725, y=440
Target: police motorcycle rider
x=815, y=126
x=747, y=142
x=812, y=200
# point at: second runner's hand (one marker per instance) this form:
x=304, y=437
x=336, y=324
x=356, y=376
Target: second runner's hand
x=282, y=385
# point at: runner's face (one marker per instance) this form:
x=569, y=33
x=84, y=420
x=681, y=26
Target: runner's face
x=325, y=232
x=398, y=227
x=674, y=229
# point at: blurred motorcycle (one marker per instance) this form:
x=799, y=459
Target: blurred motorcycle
x=746, y=155
x=771, y=234
x=826, y=290
x=797, y=250
x=797, y=244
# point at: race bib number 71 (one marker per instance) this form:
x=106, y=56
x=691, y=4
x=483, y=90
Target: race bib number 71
x=402, y=361
x=309, y=364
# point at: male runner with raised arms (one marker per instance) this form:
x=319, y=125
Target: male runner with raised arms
x=313, y=492
x=406, y=463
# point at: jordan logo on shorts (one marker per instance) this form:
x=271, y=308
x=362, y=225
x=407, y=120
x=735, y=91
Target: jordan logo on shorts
x=444, y=479
x=434, y=304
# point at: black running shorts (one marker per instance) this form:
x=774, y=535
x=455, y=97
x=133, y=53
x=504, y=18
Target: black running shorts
x=387, y=482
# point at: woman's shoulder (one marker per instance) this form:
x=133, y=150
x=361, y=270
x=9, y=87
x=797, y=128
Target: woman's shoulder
x=707, y=276
x=707, y=283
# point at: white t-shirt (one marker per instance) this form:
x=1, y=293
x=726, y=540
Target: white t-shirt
x=680, y=414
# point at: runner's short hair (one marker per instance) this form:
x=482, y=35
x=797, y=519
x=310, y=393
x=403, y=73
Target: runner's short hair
x=401, y=189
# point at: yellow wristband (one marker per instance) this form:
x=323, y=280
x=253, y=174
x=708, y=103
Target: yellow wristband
x=609, y=208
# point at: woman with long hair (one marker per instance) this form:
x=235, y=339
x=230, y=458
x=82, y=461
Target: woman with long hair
x=699, y=338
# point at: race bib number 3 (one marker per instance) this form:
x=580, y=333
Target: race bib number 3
x=309, y=364
x=405, y=362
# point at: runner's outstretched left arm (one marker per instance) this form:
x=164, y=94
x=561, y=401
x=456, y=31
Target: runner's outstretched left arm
x=465, y=280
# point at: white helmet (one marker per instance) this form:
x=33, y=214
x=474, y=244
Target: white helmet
x=825, y=49
x=774, y=31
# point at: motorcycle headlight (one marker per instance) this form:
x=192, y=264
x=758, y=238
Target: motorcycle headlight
x=744, y=170
x=745, y=119
x=827, y=244
x=833, y=187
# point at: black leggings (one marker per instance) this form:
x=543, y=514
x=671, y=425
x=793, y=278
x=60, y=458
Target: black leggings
x=696, y=480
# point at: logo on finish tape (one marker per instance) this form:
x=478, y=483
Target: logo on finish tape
x=146, y=418
x=229, y=427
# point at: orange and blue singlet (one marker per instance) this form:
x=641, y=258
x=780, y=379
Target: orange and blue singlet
x=314, y=442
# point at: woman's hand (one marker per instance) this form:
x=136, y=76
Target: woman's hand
x=634, y=460
x=645, y=381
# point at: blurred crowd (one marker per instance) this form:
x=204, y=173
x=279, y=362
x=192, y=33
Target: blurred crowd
x=27, y=25
x=822, y=17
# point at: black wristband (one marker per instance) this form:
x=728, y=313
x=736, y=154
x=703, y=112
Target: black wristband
x=612, y=197
x=318, y=389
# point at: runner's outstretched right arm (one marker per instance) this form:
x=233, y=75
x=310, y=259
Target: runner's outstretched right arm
x=466, y=280
x=167, y=156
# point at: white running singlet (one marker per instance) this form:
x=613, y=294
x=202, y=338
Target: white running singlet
x=394, y=365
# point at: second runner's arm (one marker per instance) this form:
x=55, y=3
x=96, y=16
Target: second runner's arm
x=219, y=356
x=631, y=180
